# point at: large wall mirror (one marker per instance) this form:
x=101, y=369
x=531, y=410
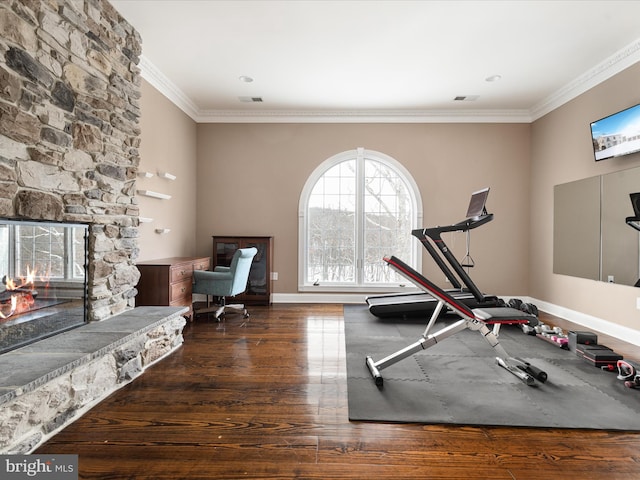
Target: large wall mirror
x=590, y=236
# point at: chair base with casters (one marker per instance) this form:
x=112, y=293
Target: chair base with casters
x=225, y=282
x=477, y=319
x=220, y=307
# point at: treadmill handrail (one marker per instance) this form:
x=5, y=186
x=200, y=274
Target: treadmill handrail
x=455, y=283
x=434, y=234
x=463, y=226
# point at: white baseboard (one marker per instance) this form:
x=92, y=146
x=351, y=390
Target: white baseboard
x=620, y=332
x=318, y=297
x=590, y=322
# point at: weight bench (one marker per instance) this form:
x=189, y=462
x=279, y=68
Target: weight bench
x=477, y=319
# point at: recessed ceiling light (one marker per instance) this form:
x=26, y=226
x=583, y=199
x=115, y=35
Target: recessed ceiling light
x=245, y=79
x=493, y=78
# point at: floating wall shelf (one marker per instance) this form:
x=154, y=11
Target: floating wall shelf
x=163, y=230
x=145, y=174
x=145, y=219
x=166, y=175
x=150, y=193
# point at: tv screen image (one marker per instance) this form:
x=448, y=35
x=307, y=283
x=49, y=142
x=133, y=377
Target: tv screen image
x=617, y=134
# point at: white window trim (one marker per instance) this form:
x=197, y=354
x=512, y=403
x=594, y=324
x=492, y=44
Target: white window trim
x=416, y=200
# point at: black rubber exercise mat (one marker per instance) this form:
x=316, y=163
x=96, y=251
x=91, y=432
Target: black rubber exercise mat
x=457, y=381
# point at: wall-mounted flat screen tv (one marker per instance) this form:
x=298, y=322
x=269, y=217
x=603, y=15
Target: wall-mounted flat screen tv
x=617, y=134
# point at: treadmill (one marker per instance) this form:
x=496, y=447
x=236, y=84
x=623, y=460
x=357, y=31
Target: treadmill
x=464, y=289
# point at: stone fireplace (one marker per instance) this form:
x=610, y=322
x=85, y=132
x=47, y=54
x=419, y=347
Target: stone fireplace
x=69, y=139
x=69, y=133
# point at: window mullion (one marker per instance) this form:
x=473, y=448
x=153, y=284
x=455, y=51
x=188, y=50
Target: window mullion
x=68, y=254
x=359, y=278
x=13, y=246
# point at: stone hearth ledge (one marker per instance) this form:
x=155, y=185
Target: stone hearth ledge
x=53, y=382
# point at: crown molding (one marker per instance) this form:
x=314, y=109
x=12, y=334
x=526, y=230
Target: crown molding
x=606, y=69
x=616, y=63
x=165, y=86
x=354, y=116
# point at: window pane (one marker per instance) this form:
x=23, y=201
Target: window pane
x=388, y=215
x=79, y=255
x=331, y=246
x=40, y=249
x=331, y=226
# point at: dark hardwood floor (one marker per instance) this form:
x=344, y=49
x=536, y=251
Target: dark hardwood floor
x=267, y=398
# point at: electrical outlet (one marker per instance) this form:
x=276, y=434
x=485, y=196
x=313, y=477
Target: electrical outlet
x=638, y=303
x=274, y=275
x=610, y=279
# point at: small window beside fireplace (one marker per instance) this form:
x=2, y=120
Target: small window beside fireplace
x=43, y=280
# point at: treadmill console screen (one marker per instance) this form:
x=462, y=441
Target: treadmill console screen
x=477, y=203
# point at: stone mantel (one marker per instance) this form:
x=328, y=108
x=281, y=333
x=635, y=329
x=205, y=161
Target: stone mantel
x=47, y=385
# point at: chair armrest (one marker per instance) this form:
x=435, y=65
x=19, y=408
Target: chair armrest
x=212, y=283
x=221, y=268
x=209, y=276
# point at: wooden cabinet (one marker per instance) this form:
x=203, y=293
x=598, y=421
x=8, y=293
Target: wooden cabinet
x=259, y=286
x=168, y=281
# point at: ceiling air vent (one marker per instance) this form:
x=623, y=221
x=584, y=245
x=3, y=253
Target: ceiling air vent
x=250, y=99
x=466, y=98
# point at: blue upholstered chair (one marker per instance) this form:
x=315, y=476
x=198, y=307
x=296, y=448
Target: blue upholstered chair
x=225, y=282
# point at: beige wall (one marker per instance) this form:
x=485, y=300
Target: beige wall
x=250, y=177
x=168, y=144
x=246, y=179
x=561, y=152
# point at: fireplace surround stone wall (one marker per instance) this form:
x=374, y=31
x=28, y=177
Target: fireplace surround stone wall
x=69, y=132
x=69, y=139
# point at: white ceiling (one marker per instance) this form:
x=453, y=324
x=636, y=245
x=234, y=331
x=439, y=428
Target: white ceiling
x=360, y=60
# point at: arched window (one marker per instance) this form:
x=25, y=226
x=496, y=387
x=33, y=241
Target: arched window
x=355, y=208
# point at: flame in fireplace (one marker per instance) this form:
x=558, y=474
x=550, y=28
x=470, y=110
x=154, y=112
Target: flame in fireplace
x=20, y=297
x=25, y=282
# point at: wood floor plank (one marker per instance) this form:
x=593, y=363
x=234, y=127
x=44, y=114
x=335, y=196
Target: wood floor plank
x=267, y=398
